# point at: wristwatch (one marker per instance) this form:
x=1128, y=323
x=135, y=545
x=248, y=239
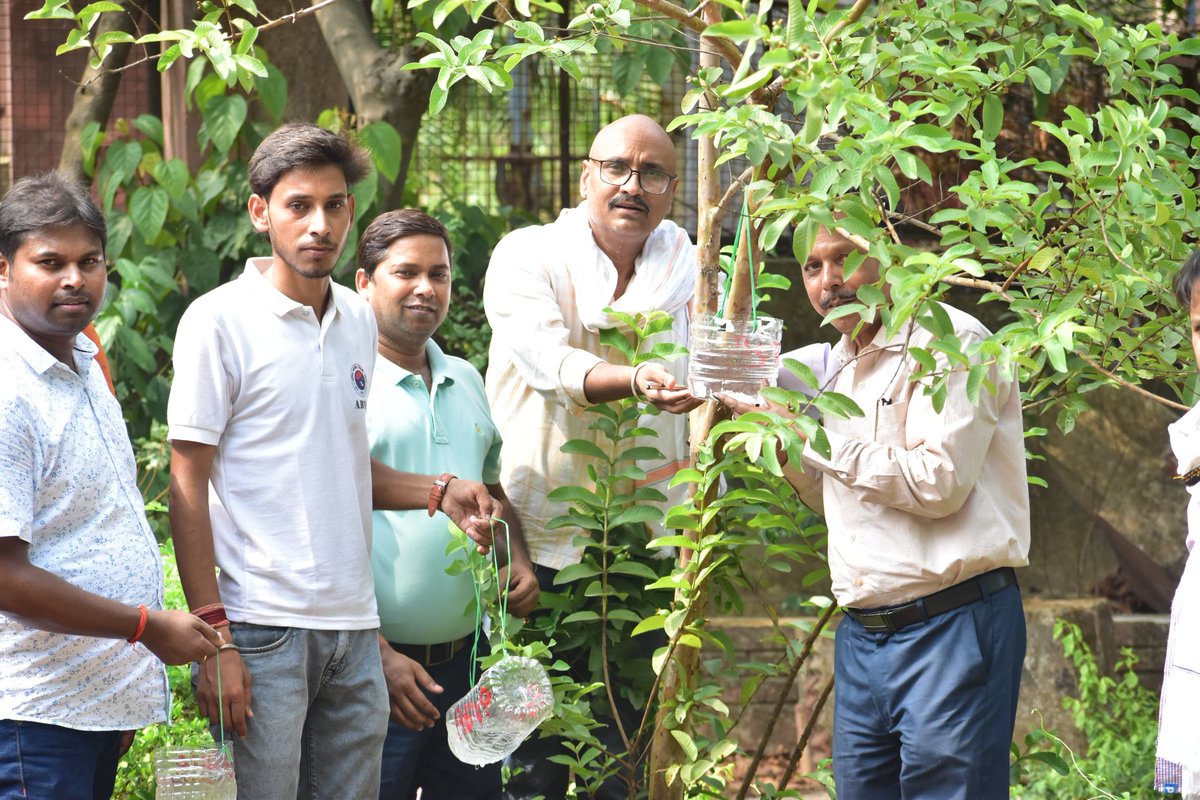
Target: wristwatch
x=438, y=490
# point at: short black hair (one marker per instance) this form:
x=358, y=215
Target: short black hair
x=392, y=225
x=51, y=200
x=1188, y=274
x=299, y=145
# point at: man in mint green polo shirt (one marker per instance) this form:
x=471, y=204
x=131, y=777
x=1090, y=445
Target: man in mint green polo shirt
x=427, y=413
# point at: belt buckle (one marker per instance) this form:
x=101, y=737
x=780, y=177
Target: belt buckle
x=879, y=621
x=439, y=653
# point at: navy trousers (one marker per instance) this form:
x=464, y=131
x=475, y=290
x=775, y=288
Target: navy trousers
x=927, y=712
x=423, y=759
x=48, y=761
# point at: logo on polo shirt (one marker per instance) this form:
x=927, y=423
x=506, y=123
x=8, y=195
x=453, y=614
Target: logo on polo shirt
x=359, y=376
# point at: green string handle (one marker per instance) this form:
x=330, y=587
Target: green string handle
x=225, y=747
x=501, y=597
x=743, y=219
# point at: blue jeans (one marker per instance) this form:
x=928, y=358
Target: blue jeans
x=413, y=759
x=320, y=714
x=47, y=761
x=927, y=711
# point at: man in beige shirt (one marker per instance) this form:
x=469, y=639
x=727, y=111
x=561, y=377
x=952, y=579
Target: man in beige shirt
x=928, y=512
x=546, y=293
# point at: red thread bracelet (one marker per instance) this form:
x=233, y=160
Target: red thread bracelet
x=144, y=614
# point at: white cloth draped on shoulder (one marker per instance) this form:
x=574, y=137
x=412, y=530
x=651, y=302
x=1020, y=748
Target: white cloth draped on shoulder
x=1178, y=734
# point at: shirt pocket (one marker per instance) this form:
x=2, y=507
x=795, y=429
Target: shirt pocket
x=891, y=423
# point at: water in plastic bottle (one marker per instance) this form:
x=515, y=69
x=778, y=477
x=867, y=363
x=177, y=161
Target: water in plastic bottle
x=510, y=700
x=734, y=357
x=194, y=774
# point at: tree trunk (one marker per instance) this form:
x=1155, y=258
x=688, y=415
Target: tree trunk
x=379, y=86
x=680, y=669
x=97, y=89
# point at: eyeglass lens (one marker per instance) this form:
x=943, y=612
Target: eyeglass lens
x=617, y=173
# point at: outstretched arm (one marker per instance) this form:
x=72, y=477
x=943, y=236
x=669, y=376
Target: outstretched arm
x=44, y=600
x=467, y=503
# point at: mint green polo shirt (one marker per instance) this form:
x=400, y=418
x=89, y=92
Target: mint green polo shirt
x=411, y=429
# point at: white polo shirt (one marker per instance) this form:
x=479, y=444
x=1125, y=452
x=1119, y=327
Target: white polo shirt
x=68, y=487
x=283, y=397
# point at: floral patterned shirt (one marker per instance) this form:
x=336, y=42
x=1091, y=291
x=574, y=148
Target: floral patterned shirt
x=68, y=487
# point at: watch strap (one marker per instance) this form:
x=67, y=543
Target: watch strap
x=438, y=490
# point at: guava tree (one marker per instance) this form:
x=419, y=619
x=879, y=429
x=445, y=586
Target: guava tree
x=842, y=112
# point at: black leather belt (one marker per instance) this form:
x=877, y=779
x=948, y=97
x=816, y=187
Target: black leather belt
x=921, y=609
x=430, y=655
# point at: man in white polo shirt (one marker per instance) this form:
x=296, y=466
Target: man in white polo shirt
x=269, y=408
x=427, y=413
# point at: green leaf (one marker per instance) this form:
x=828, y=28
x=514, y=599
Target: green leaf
x=802, y=371
x=583, y=447
x=91, y=138
x=201, y=267
x=1052, y=760
x=974, y=381
x=993, y=116
x=173, y=176
x=1043, y=258
x=685, y=741
x=627, y=71
x=636, y=514
x=580, y=616
x=384, y=143
x=224, y=116
x=271, y=91
x=575, y=494
x=130, y=343
x=148, y=208
x=838, y=405
x=654, y=623
x=575, y=572
x=635, y=568
x=151, y=127
x=659, y=63
x=737, y=30
x=1039, y=78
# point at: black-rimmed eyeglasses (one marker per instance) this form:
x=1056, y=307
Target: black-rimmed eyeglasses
x=617, y=173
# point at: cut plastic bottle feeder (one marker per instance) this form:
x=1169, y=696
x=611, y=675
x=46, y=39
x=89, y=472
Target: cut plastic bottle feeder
x=733, y=357
x=194, y=773
x=510, y=700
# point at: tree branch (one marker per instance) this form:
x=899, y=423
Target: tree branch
x=726, y=48
x=851, y=16
x=97, y=88
x=275, y=23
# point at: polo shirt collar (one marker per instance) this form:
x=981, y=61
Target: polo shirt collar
x=36, y=356
x=390, y=373
x=278, y=302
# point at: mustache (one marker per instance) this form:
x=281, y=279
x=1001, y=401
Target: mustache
x=838, y=298
x=629, y=200
x=72, y=299
x=320, y=241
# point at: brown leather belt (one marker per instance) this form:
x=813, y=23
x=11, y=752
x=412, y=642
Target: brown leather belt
x=924, y=608
x=430, y=655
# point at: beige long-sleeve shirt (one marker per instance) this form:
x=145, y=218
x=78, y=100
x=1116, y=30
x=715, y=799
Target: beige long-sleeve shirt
x=543, y=285
x=915, y=499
